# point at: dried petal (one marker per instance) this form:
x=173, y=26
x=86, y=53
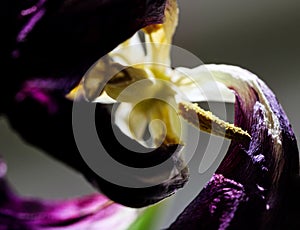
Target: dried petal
x=260, y=179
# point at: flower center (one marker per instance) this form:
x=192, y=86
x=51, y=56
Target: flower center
x=146, y=88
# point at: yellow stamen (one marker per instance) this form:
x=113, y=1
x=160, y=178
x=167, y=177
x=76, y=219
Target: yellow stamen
x=206, y=121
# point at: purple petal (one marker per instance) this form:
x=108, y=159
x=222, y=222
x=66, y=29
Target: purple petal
x=48, y=54
x=53, y=133
x=257, y=184
x=61, y=39
x=214, y=207
x=89, y=212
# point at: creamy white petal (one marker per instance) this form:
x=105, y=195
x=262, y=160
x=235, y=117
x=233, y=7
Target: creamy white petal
x=130, y=52
x=135, y=92
x=138, y=122
x=131, y=123
x=158, y=131
x=104, y=99
x=121, y=118
x=199, y=84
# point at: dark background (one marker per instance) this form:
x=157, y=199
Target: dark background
x=261, y=36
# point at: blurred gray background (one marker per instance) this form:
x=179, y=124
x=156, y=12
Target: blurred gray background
x=261, y=36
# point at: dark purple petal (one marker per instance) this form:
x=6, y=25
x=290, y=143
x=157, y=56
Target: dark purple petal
x=53, y=133
x=257, y=184
x=61, y=39
x=50, y=46
x=214, y=207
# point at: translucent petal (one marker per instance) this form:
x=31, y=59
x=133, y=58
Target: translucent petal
x=98, y=75
x=126, y=85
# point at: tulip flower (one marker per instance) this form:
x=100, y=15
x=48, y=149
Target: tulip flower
x=256, y=184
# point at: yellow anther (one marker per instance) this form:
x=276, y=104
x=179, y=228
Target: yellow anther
x=206, y=121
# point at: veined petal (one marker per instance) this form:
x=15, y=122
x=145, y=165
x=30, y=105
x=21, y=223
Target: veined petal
x=241, y=80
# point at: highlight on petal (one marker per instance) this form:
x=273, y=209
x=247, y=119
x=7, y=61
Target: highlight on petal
x=199, y=85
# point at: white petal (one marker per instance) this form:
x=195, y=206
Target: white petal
x=199, y=84
x=234, y=77
x=138, y=122
x=130, y=52
x=131, y=122
x=137, y=91
x=158, y=131
x=121, y=118
x=241, y=80
x=104, y=99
